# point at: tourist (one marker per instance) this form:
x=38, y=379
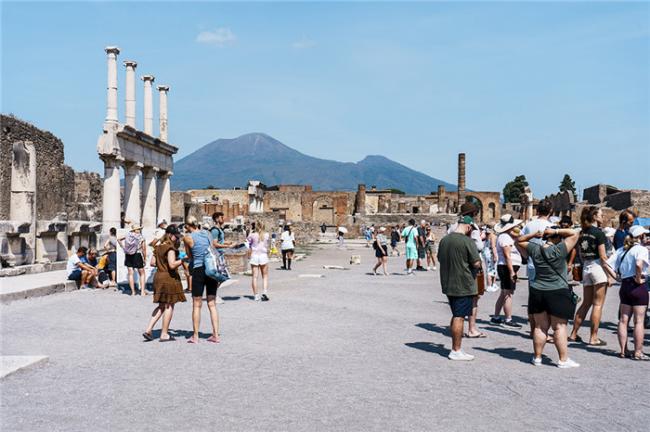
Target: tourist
x=594, y=274
x=110, y=247
x=381, y=251
x=631, y=263
x=550, y=300
x=508, y=263
x=340, y=235
x=197, y=244
x=135, y=255
x=167, y=287
x=368, y=236
x=422, y=245
x=219, y=236
x=92, y=263
x=259, y=259
x=288, y=243
x=323, y=229
x=77, y=271
x=609, y=240
x=394, y=239
x=410, y=235
x=537, y=225
x=430, y=247
x=489, y=253
x=159, y=233
x=625, y=221
x=459, y=261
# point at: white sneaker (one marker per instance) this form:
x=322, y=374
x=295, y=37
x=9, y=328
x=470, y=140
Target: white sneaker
x=567, y=364
x=460, y=356
x=536, y=361
x=435, y=268
x=492, y=288
x=258, y=297
x=429, y=268
x=218, y=300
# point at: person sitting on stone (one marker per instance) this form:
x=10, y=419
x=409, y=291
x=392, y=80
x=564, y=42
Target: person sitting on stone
x=77, y=271
x=92, y=263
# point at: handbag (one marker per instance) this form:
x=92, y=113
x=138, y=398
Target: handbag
x=480, y=282
x=214, y=263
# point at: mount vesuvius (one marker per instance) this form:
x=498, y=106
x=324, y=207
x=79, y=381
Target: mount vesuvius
x=228, y=163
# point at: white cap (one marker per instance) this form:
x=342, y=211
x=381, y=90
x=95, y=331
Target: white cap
x=161, y=221
x=609, y=231
x=637, y=231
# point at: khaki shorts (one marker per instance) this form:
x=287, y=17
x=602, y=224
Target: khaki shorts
x=593, y=274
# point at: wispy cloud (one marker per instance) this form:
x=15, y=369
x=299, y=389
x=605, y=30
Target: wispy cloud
x=303, y=43
x=219, y=37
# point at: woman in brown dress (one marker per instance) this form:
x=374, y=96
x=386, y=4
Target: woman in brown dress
x=167, y=286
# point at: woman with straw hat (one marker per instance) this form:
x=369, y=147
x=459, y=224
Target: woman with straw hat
x=508, y=263
x=135, y=255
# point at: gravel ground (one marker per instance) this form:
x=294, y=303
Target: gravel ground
x=349, y=351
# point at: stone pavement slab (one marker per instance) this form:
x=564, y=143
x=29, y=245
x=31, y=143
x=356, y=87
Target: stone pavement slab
x=25, y=286
x=349, y=351
x=12, y=364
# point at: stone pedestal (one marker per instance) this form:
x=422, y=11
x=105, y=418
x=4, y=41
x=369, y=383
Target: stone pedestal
x=111, y=197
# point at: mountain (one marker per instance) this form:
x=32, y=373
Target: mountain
x=227, y=163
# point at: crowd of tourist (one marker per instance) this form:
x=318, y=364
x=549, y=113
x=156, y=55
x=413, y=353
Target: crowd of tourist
x=558, y=256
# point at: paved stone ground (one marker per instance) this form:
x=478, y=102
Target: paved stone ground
x=346, y=352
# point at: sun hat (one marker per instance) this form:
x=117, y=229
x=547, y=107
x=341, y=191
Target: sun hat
x=382, y=229
x=135, y=227
x=173, y=229
x=637, y=231
x=507, y=223
x=609, y=231
x=161, y=222
x=468, y=209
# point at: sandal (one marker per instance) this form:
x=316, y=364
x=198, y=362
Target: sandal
x=169, y=339
x=213, y=339
x=577, y=339
x=480, y=335
x=599, y=342
x=192, y=340
x=641, y=357
x=147, y=336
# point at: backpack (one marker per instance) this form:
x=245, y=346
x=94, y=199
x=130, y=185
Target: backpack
x=214, y=263
x=131, y=243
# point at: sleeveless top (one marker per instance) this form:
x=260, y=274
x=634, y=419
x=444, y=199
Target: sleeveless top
x=202, y=240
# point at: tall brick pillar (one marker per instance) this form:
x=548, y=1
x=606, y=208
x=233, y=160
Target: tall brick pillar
x=360, y=204
x=441, y=198
x=461, y=179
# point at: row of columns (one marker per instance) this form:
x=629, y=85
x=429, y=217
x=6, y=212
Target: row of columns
x=141, y=206
x=111, y=106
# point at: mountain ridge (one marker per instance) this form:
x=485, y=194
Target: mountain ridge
x=231, y=162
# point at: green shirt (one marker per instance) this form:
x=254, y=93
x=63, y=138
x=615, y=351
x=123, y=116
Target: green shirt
x=457, y=254
x=550, y=273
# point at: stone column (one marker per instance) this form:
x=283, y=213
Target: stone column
x=162, y=90
x=441, y=197
x=164, y=196
x=130, y=92
x=361, y=200
x=148, y=104
x=111, y=99
x=111, y=207
x=461, y=179
x=132, y=191
x=150, y=206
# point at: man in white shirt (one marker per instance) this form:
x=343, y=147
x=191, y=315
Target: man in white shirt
x=77, y=271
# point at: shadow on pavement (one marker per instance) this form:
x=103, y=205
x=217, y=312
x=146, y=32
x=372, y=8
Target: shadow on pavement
x=188, y=334
x=508, y=353
x=230, y=298
x=435, y=328
x=429, y=347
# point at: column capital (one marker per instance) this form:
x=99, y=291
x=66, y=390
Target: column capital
x=146, y=78
x=150, y=171
x=130, y=63
x=165, y=174
x=112, y=50
x=133, y=168
x=111, y=161
x=163, y=88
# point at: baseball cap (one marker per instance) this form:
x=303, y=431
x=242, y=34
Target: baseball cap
x=637, y=231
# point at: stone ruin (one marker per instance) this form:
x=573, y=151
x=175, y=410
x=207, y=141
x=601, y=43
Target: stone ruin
x=46, y=208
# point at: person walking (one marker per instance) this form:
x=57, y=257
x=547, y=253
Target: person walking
x=394, y=239
x=550, y=300
x=631, y=263
x=422, y=245
x=167, y=286
x=197, y=243
x=410, y=235
x=459, y=262
x=430, y=247
x=288, y=244
x=594, y=274
x=259, y=259
x=508, y=263
x=381, y=251
x=219, y=236
x=135, y=255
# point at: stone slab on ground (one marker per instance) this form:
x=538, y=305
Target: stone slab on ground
x=33, y=268
x=34, y=285
x=349, y=352
x=13, y=363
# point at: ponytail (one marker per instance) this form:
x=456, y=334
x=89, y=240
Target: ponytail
x=588, y=216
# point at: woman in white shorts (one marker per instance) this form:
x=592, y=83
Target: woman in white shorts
x=594, y=274
x=259, y=259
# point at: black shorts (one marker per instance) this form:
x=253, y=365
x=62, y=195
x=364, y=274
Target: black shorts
x=200, y=281
x=633, y=294
x=112, y=262
x=558, y=303
x=380, y=252
x=286, y=251
x=134, y=261
x=422, y=252
x=504, y=277
x=461, y=306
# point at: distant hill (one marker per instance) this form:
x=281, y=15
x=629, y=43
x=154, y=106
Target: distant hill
x=227, y=163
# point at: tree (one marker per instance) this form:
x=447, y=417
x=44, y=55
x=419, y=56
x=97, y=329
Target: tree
x=513, y=189
x=569, y=185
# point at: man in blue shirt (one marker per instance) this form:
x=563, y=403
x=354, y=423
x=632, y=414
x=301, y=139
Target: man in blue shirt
x=625, y=221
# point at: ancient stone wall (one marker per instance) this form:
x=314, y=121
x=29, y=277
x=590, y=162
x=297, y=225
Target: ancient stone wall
x=635, y=199
x=58, y=187
x=233, y=196
x=287, y=203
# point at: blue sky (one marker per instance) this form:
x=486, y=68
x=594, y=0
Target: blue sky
x=535, y=88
